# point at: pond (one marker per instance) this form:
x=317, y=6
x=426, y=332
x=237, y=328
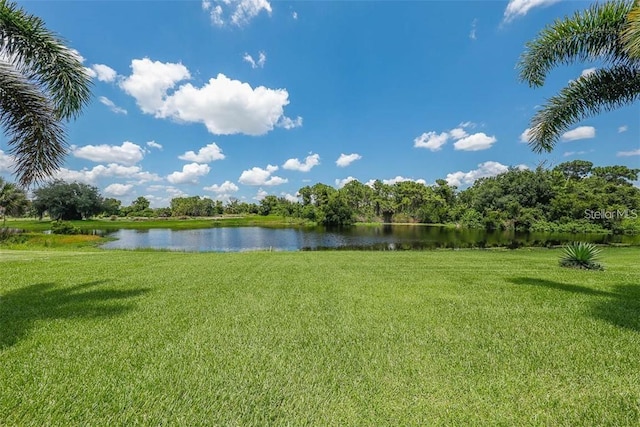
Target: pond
x=382, y=237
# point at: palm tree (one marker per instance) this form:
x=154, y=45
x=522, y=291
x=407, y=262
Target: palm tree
x=13, y=200
x=42, y=84
x=606, y=32
x=631, y=34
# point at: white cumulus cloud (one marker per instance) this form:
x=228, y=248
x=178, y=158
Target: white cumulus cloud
x=289, y=123
x=154, y=144
x=290, y=197
x=150, y=81
x=216, y=14
x=526, y=135
x=223, y=105
x=261, y=194
x=118, y=190
x=238, y=12
x=346, y=159
x=126, y=154
x=403, y=179
x=207, y=154
x=434, y=140
x=431, y=140
x=189, y=174
x=485, y=169
x=296, y=165
x=581, y=132
x=458, y=133
x=517, y=8
x=476, y=142
x=169, y=189
x=623, y=128
x=112, y=170
x=77, y=54
x=104, y=73
x=6, y=162
x=259, y=176
x=225, y=187
x=90, y=73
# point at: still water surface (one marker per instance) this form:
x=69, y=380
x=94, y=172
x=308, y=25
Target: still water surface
x=383, y=237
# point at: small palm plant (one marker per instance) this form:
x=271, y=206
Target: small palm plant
x=581, y=255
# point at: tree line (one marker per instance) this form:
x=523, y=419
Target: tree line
x=44, y=82
x=573, y=196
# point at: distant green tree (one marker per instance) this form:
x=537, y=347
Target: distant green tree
x=163, y=212
x=359, y=196
x=305, y=193
x=205, y=207
x=470, y=218
x=218, y=208
x=383, y=201
x=576, y=169
x=140, y=204
x=67, y=201
x=288, y=208
x=336, y=211
x=111, y=206
x=446, y=191
x=194, y=206
x=617, y=174
x=269, y=205
x=236, y=207
x=409, y=197
x=434, y=209
x=320, y=194
x=574, y=196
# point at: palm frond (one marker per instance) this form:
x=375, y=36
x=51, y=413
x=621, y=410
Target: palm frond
x=25, y=39
x=631, y=33
x=36, y=137
x=587, y=35
x=603, y=90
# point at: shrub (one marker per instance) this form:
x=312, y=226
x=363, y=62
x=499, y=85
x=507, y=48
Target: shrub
x=581, y=255
x=64, y=227
x=471, y=219
x=8, y=235
x=403, y=218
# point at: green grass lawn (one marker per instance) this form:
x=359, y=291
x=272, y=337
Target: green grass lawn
x=466, y=337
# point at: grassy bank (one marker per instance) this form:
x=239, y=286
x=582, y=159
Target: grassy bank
x=39, y=241
x=324, y=338
x=148, y=223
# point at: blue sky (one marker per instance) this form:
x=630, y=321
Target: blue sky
x=244, y=98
